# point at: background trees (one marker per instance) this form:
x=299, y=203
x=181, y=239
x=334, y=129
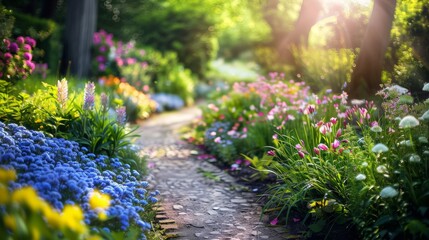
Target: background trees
x=319, y=41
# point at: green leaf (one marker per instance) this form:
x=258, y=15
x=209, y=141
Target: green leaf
x=317, y=226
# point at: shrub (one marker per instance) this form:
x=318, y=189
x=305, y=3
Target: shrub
x=16, y=58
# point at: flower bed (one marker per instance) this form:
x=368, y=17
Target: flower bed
x=63, y=173
x=341, y=166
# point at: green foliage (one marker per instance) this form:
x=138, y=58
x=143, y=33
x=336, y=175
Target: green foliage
x=177, y=81
x=98, y=133
x=6, y=22
x=38, y=28
x=184, y=28
x=326, y=68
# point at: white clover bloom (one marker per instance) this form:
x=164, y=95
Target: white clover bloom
x=408, y=122
x=398, y=89
x=425, y=116
x=423, y=140
x=388, y=192
x=381, y=169
x=379, y=148
x=407, y=143
x=426, y=87
x=414, y=158
x=376, y=129
x=365, y=164
x=360, y=177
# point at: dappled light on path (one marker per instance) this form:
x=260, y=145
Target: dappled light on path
x=198, y=200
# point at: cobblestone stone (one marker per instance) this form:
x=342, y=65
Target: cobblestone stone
x=202, y=208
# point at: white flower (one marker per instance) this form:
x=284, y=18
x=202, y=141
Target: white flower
x=408, y=122
x=406, y=143
x=414, y=158
x=423, y=140
x=376, y=129
x=398, y=89
x=425, y=116
x=381, y=169
x=388, y=192
x=426, y=87
x=379, y=148
x=360, y=177
x=364, y=164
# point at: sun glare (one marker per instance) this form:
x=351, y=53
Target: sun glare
x=348, y=2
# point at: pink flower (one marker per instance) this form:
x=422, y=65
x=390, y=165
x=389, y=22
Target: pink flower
x=310, y=109
x=20, y=40
x=296, y=219
x=316, y=151
x=323, y=147
x=217, y=140
x=298, y=147
x=7, y=56
x=26, y=48
x=325, y=129
x=271, y=153
x=335, y=144
x=28, y=56
x=374, y=123
x=333, y=120
x=339, y=132
x=30, y=41
x=301, y=154
x=274, y=221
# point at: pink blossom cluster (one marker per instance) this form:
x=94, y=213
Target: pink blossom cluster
x=108, y=52
x=16, y=59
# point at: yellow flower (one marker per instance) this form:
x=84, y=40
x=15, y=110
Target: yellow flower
x=52, y=216
x=7, y=175
x=35, y=232
x=102, y=216
x=94, y=237
x=9, y=222
x=72, y=218
x=4, y=195
x=28, y=196
x=99, y=200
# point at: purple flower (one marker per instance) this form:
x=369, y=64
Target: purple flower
x=104, y=100
x=13, y=48
x=89, y=96
x=121, y=115
x=26, y=48
x=100, y=59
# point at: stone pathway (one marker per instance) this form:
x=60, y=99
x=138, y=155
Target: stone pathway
x=197, y=206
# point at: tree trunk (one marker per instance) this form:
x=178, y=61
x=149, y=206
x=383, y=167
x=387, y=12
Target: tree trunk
x=81, y=22
x=366, y=76
x=308, y=16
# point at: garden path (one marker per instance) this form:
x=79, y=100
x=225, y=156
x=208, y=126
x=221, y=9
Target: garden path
x=194, y=206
